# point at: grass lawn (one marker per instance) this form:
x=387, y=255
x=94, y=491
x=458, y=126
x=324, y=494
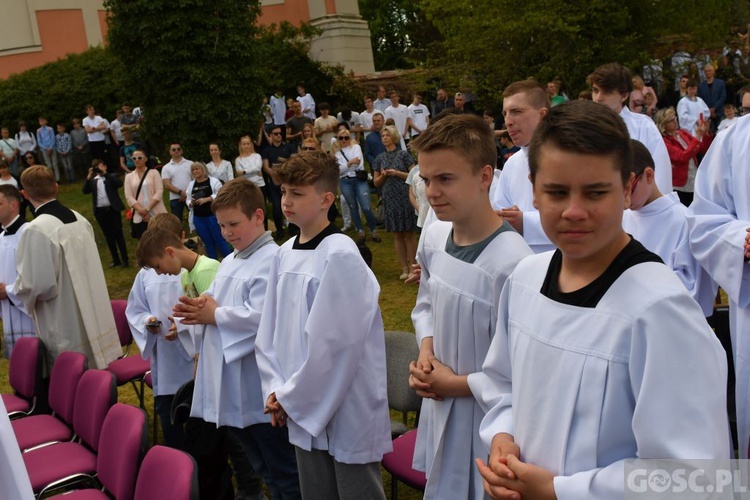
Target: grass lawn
x=396, y=299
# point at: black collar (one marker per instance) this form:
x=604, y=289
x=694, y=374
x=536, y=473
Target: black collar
x=58, y=210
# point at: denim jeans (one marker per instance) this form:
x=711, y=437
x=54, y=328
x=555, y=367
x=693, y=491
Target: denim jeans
x=209, y=231
x=177, y=207
x=272, y=456
x=357, y=195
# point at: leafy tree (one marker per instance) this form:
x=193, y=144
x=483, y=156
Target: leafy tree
x=193, y=65
x=61, y=89
x=491, y=43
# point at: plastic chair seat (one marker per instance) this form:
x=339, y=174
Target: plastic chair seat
x=13, y=403
x=129, y=368
x=398, y=462
x=39, y=429
x=58, y=461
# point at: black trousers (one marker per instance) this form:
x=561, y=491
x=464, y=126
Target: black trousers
x=111, y=223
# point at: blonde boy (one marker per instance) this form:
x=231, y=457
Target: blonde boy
x=466, y=257
x=321, y=347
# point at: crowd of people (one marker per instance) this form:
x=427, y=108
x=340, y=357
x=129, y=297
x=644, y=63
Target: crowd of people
x=559, y=296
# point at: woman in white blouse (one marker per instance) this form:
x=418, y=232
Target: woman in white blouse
x=218, y=167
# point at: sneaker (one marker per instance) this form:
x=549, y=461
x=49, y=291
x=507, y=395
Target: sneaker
x=346, y=228
x=403, y=276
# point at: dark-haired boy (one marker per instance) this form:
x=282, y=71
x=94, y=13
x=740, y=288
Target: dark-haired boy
x=589, y=365
x=320, y=346
x=659, y=222
x=227, y=383
x=692, y=110
x=466, y=257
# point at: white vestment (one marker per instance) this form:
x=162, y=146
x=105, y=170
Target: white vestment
x=581, y=389
x=457, y=307
x=513, y=187
x=227, y=383
x=689, y=112
x=16, y=322
x=62, y=285
x=321, y=349
x=718, y=218
x=661, y=227
x=642, y=129
x=155, y=295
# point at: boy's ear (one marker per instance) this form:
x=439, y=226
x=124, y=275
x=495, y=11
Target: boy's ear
x=488, y=173
x=328, y=199
x=649, y=175
x=170, y=251
x=260, y=215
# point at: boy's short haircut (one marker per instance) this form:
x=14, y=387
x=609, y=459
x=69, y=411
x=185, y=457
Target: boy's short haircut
x=42, y=117
x=241, y=193
x=642, y=158
x=39, y=182
x=60, y=124
x=612, y=77
x=324, y=106
x=535, y=94
x=489, y=112
x=465, y=134
x=504, y=135
x=691, y=83
x=583, y=127
x=11, y=193
x=169, y=222
x=153, y=244
x=729, y=105
x=307, y=168
x=392, y=132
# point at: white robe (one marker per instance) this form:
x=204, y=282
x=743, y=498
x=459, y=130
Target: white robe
x=661, y=227
x=643, y=129
x=718, y=218
x=62, y=285
x=689, y=111
x=582, y=389
x=16, y=321
x=14, y=480
x=227, y=383
x=155, y=295
x=321, y=349
x=514, y=188
x=457, y=306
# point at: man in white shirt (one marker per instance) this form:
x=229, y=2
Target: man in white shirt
x=401, y=117
x=365, y=117
x=382, y=101
x=176, y=177
x=691, y=109
x=95, y=127
x=307, y=102
x=420, y=115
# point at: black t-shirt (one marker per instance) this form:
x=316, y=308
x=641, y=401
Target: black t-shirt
x=202, y=190
x=276, y=155
x=633, y=254
x=313, y=243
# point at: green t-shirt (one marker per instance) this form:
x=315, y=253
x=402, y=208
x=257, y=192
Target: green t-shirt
x=199, y=279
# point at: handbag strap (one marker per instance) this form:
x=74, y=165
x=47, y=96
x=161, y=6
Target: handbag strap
x=140, y=185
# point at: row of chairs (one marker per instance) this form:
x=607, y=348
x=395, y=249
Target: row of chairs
x=89, y=437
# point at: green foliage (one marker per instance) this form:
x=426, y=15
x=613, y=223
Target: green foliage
x=399, y=31
x=193, y=65
x=60, y=90
x=491, y=43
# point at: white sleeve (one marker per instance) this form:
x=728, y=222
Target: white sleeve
x=215, y=186
x=238, y=326
x=269, y=366
x=189, y=194
x=421, y=315
x=343, y=167
x=313, y=394
x=532, y=229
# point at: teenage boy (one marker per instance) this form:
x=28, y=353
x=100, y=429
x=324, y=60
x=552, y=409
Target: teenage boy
x=64, y=151
x=325, y=126
x=227, y=383
x=461, y=271
x=320, y=347
x=692, y=110
x=16, y=322
x=420, y=115
x=274, y=154
x=401, y=116
x=600, y=353
x=611, y=85
x=176, y=176
x=45, y=137
x=95, y=127
x=659, y=222
x=150, y=303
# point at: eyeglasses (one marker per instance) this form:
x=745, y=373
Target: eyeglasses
x=139, y=158
x=308, y=148
x=275, y=133
x=344, y=138
x=176, y=149
x=635, y=183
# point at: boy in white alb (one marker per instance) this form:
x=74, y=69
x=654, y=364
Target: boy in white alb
x=151, y=300
x=466, y=257
x=227, y=383
x=16, y=322
x=659, y=222
x=600, y=354
x=321, y=345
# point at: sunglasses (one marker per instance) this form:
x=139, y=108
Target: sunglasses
x=308, y=148
x=139, y=158
x=344, y=138
x=275, y=133
x=176, y=149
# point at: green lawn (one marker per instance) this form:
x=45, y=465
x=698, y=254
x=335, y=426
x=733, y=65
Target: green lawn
x=396, y=299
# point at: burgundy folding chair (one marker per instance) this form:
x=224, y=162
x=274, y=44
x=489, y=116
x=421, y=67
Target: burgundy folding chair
x=123, y=444
x=126, y=368
x=162, y=462
x=148, y=380
x=56, y=465
x=398, y=464
x=25, y=377
x=40, y=429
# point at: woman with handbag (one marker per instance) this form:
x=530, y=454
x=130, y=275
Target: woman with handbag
x=143, y=193
x=354, y=185
x=390, y=171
